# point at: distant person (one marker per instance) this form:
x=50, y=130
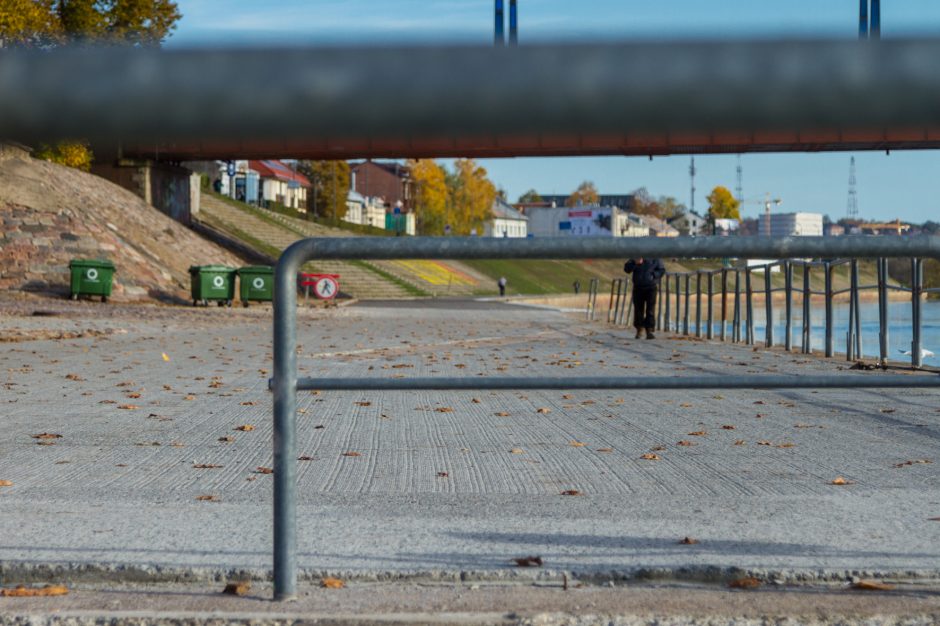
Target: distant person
x=502, y=285
x=217, y=185
x=577, y=287
x=646, y=274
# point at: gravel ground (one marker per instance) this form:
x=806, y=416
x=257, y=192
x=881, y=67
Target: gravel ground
x=443, y=486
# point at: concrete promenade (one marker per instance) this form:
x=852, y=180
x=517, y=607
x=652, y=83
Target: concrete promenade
x=444, y=485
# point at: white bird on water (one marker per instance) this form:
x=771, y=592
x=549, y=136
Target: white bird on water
x=924, y=353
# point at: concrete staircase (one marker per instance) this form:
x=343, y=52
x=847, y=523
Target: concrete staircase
x=263, y=230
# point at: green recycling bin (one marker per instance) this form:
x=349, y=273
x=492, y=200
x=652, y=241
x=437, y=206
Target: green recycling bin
x=256, y=282
x=91, y=277
x=212, y=282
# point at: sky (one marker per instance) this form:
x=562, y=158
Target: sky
x=900, y=185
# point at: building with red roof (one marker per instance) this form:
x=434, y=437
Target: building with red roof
x=281, y=184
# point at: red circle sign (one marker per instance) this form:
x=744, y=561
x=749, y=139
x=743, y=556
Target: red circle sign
x=325, y=288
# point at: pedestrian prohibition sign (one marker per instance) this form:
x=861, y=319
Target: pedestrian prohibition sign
x=325, y=288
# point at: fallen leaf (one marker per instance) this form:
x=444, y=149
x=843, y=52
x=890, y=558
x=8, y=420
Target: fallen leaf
x=74, y=377
x=165, y=356
x=649, y=456
x=764, y=442
x=363, y=403
x=658, y=449
x=442, y=474
x=147, y=443
x=688, y=541
x=264, y=470
x=759, y=402
x=543, y=410
x=444, y=409
x=128, y=407
x=838, y=480
x=575, y=444
x=699, y=433
x=237, y=589
x=745, y=583
x=207, y=498
x=249, y=403
x=686, y=405
x=245, y=428
x=517, y=451
x=915, y=462
x=133, y=395
x=475, y=400
x=6, y=483
x=727, y=427
x=685, y=443
x=206, y=466
x=502, y=414
x=351, y=454
x=566, y=396
x=47, y=436
x=740, y=442
x=873, y=585
x=528, y=561
x=189, y=397
x=786, y=445
x=227, y=439
x=45, y=442
x=305, y=458
x=332, y=583
x=888, y=410
x=571, y=492
x=22, y=591
x=605, y=450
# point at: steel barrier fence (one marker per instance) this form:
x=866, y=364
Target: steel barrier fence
x=286, y=384
x=853, y=338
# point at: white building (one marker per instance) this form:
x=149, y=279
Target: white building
x=579, y=221
x=629, y=225
x=690, y=223
x=364, y=211
x=505, y=221
x=791, y=224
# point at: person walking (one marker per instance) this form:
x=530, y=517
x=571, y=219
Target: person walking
x=645, y=275
x=502, y=285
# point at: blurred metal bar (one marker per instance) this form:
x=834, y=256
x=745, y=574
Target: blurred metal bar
x=768, y=308
x=829, y=347
x=667, y=298
x=724, y=303
x=863, y=19
x=788, y=288
x=917, y=283
x=736, y=325
x=710, y=330
x=807, y=310
x=499, y=37
x=621, y=90
x=883, y=311
x=698, y=303
x=688, y=300
x=749, y=304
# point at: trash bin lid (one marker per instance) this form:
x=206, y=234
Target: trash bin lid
x=256, y=269
x=99, y=263
x=193, y=269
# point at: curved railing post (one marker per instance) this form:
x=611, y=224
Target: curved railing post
x=284, y=384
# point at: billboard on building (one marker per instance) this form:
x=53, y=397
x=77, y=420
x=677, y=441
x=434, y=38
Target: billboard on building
x=588, y=222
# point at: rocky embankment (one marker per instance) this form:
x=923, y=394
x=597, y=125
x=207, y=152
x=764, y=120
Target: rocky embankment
x=51, y=214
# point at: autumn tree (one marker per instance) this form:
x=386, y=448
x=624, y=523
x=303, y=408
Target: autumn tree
x=530, y=196
x=432, y=197
x=586, y=193
x=329, y=187
x=472, y=195
x=722, y=205
x=75, y=154
x=28, y=23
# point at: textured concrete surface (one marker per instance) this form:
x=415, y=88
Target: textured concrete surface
x=444, y=485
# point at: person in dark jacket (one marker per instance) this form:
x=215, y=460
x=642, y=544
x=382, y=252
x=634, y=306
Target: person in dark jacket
x=646, y=274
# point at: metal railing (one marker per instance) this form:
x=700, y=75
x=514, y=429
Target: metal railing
x=286, y=383
x=672, y=296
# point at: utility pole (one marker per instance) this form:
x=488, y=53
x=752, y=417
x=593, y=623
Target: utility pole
x=513, y=24
x=499, y=38
x=692, y=178
x=739, y=190
x=869, y=19
x=852, y=210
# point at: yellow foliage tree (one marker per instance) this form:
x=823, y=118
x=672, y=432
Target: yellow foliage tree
x=69, y=153
x=28, y=23
x=472, y=196
x=722, y=205
x=431, y=196
x=586, y=193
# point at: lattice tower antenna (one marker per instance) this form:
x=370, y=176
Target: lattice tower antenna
x=852, y=211
x=692, y=178
x=739, y=190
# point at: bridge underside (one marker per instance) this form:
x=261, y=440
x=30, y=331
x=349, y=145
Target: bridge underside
x=498, y=146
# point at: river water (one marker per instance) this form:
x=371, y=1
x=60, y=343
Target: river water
x=900, y=328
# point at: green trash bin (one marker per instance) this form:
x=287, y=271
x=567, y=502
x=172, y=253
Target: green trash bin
x=256, y=282
x=212, y=282
x=91, y=277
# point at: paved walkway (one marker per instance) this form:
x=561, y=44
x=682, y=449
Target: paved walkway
x=444, y=484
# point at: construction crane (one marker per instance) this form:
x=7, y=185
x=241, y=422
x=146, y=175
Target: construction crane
x=767, y=202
